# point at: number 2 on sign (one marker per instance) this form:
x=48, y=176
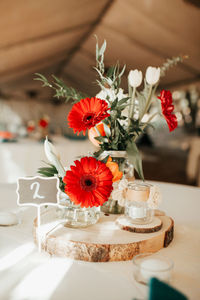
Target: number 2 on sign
x=36, y=195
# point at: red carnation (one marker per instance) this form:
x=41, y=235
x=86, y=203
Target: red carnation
x=87, y=113
x=89, y=183
x=167, y=109
x=43, y=123
x=171, y=121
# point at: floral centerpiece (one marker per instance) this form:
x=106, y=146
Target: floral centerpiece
x=114, y=120
x=38, y=129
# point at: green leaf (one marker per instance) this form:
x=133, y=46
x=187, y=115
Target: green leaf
x=115, y=141
x=110, y=72
x=101, y=138
x=48, y=171
x=97, y=46
x=121, y=107
x=122, y=101
x=122, y=71
x=114, y=104
x=105, y=159
x=135, y=158
x=98, y=153
x=142, y=99
x=45, y=174
x=43, y=79
x=114, y=146
x=102, y=49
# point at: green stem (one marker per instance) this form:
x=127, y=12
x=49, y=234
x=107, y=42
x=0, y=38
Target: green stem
x=150, y=119
x=147, y=103
x=131, y=111
x=145, y=125
x=130, y=95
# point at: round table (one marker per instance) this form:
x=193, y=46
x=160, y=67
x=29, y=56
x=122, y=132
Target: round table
x=26, y=274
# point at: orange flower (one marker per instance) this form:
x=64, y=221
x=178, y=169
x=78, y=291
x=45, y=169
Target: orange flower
x=114, y=168
x=96, y=131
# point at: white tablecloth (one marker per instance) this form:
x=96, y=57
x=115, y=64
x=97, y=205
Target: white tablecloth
x=26, y=274
x=25, y=157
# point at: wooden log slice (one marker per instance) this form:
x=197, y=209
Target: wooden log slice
x=125, y=224
x=101, y=242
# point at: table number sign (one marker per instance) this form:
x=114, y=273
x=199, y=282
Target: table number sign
x=38, y=191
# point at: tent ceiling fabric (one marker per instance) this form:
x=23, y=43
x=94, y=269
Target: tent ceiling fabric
x=59, y=36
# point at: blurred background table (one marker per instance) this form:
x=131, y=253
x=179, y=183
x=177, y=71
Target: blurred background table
x=26, y=274
x=25, y=157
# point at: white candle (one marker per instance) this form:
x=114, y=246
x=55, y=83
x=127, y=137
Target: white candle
x=137, y=212
x=8, y=218
x=155, y=267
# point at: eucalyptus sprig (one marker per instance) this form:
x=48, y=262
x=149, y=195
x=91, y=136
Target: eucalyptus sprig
x=171, y=62
x=112, y=78
x=60, y=88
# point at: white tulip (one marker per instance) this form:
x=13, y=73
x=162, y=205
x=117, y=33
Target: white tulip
x=135, y=78
x=152, y=75
x=53, y=157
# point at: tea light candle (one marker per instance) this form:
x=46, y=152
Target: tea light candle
x=155, y=267
x=137, y=212
x=136, y=206
x=8, y=219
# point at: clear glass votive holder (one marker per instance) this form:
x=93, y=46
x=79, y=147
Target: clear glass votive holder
x=150, y=265
x=136, y=207
x=75, y=216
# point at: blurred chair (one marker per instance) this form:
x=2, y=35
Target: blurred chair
x=193, y=162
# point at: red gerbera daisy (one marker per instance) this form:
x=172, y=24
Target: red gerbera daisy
x=89, y=182
x=167, y=109
x=87, y=113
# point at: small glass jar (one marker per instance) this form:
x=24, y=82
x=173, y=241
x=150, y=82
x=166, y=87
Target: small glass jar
x=76, y=216
x=148, y=265
x=120, y=157
x=136, y=207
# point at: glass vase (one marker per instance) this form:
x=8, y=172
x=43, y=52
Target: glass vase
x=76, y=216
x=120, y=157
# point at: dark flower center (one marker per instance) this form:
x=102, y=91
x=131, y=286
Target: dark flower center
x=88, y=118
x=88, y=182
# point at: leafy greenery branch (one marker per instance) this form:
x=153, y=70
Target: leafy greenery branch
x=171, y=62
x=60, y=88
x=112, y=79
